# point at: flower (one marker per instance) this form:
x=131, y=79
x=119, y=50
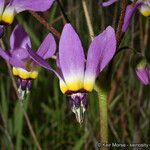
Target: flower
x=76, y=75
x=23, y=67
x=142, y=71
x=108, y=3
x=9, y=8
x=143, y=6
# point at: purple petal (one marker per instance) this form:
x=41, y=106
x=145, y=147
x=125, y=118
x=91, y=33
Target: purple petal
x=19, y=57
x=20, y=53
x=108, y=3
x=130, y=11
x=19, y=38
x=48, y=47
x=4, y=54
x=40, y=61
x=58, y=66
x=100, y=52
x=143, y=75
x=15, y=62
x=71, y=56
x=34, y=5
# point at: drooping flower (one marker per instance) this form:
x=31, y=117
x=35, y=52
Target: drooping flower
x=142, y=71
x=9, y=8
x=143, y=6
x=24, y=68
x=76, y=75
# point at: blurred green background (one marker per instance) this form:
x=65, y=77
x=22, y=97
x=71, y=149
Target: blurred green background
x=48, y=109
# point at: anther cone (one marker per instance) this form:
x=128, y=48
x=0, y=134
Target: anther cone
x=78, y=103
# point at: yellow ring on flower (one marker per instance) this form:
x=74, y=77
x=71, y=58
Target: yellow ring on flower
x=23, y=74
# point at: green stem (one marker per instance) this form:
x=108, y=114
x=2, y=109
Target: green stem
x=103, y=114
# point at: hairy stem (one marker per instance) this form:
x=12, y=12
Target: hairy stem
x=103, y=114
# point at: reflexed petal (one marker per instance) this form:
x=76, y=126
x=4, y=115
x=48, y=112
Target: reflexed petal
x=19, y=58
x=48, y=47
x=62, y=84
x=143, y=75
x=130, y=11
x=40, y=61
x=16, y=62
x=20, y=53
x=145, y=10
x=71, y=56
x=108, y=3
x=58, y=66
x=4, y=54
x=34, y=5
x=100, y=52
x=19, y=38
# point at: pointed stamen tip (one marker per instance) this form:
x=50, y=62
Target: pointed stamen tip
x=79, y=113
x=21, y=94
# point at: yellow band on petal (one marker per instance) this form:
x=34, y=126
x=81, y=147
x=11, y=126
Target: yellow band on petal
x=8, y=15
x=63, y=87
x=75, y=85
x=88, y=86
x=0, y=17
x=24, y=74
x=146, y=13
x=7, y=18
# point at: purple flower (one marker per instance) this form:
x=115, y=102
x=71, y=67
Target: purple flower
x=108, y=3
x=76, y=75
x=143, y=6
x=143, y=72
x=9, y=8
x=24, y=67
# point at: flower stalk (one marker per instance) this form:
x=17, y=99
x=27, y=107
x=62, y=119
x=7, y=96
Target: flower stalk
x=102, y=92
x=102, y=96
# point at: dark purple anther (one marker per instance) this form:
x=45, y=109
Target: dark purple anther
x=23, y=87
x=1, y=30
x=24, y=84
x=78, y=103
